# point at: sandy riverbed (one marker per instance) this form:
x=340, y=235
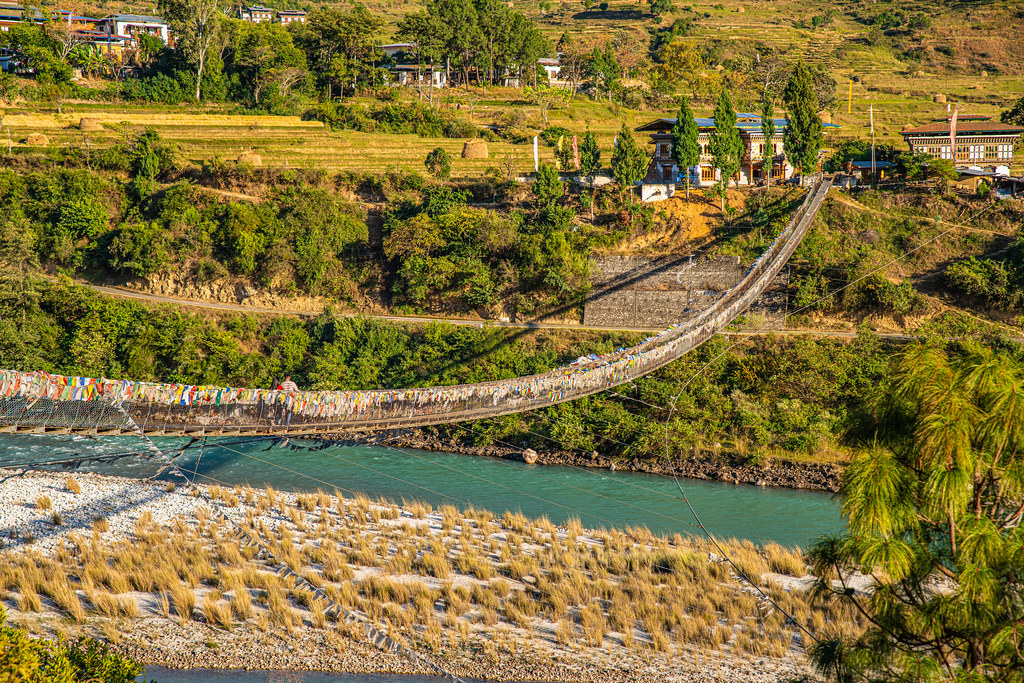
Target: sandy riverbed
x=506, y=598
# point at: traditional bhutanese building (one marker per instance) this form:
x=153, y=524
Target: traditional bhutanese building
x=978, y=141
x=291, y=16
x=760, y=157
x=256, y=14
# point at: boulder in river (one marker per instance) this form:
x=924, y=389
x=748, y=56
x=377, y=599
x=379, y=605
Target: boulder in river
x=529, y=456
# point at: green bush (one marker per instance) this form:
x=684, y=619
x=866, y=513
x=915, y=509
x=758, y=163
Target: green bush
x=879, y=293
x=551, y=134
x=23, y=658
x=460, y=128
x=439, y=163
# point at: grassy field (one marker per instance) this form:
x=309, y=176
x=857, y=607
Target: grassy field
x=213, y=132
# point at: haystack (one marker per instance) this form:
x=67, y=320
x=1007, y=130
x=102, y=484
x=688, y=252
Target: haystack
x=37, y=139
x=474, y=149
x=90, y=124
x=939, y=99
x=251, y=158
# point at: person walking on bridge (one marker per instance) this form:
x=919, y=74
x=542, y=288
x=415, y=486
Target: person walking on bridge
x=287, y=385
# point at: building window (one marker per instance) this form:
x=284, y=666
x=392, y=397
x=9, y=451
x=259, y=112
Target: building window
x=707, y=173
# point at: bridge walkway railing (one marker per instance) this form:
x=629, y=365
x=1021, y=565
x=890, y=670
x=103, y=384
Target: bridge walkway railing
x=41, y=402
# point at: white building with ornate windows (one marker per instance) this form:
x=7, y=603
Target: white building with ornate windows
x=979, y=141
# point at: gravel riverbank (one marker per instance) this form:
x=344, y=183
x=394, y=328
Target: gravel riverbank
x=774, y=472
x=500, y=606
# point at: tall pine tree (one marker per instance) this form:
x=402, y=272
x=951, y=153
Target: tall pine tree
x=685, y=148
x=726, y=144
x=933, y=504
x=804, y=134
x=768, y=131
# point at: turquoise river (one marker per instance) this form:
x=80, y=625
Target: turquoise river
x=599, y=498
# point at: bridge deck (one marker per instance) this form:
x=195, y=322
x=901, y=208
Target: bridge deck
x=40, y=403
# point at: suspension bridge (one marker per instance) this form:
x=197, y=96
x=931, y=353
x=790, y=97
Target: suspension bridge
x=43, y=403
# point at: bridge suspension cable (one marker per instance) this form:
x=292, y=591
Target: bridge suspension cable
x=41, y=402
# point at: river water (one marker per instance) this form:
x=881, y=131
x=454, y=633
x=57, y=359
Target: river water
x=599, y=498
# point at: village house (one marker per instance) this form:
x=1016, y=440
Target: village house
x=552, y=67
x=402, y=49
x=134, y=25
x=291, y=16
x=412, y=75
x=256, y=14
x=978, y=141
x=761, y=158
x=85, y=30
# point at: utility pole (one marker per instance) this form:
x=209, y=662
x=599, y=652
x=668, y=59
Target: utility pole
x=874, y=181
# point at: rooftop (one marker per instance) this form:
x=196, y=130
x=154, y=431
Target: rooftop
x=136, y=18
x=965, y=127
x=744, y=121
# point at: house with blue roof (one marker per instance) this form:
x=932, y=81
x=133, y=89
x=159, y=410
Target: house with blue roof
x=761, y=158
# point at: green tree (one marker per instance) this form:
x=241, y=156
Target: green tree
x=590, y=155
x=804, y=136
x=439, y=163
x=659, y=7
x=934, y=510
x=725, y=143
x=266, y=60
x=629, y=160
x=768, y=131
x=590, y=161
x=340, y=46
x=943, y=171
x=1015, y=114
x=604, y=70
x=547, y=187
x=564, y=157
x=685, y=148
x=196, y=25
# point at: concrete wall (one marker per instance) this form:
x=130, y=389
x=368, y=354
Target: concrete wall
x=637, y=291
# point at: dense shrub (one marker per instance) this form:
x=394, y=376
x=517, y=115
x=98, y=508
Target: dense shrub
x=396, y=118
x=24, y=658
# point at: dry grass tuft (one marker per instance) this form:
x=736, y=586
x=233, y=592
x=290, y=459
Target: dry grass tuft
x=72, y=486
x=184, y=600
x=44, y=503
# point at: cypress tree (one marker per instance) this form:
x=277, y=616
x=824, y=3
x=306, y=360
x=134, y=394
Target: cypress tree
x=803, y=137
x=685, y=148
x=629, y=161
x=726, y=144
x=768, y=130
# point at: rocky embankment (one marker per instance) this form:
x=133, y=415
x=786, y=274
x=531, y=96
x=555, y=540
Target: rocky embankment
x=780, y=473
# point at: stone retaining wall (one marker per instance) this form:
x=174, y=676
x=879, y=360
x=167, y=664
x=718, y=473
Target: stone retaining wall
x=639, y=291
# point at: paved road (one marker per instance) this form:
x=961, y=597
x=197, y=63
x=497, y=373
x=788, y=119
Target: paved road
x=421, y=320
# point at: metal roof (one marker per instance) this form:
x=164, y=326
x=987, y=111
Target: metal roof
x=867, y=164
x=965, y=128
x=136, y=18
x=744, y=121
